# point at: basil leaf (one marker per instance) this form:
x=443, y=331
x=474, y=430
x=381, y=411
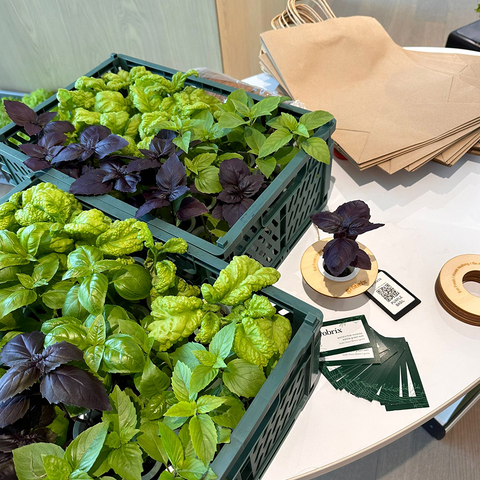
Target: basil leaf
x=205, y=358
x=84, y=256
x=55, y=297
x=69, y=332
x=208, y=181
x=122, y=355
x=266, y=106
x=15, y=297
x=72, y=306
x=183, y=142
x=92, y=293
x=46, y=268
x=84, y=450
x=243, y=378
x=204, y=437
x=185, y=354
x=132, y=282
x=77, y=272
x=56, y=468
x=317, y=149
x=25, y=280
x=276, y=140
x=233, y=415
x=28, y=459
x=241, y=108
x=123, y=416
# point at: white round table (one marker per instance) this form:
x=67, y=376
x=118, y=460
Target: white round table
x=431, y=216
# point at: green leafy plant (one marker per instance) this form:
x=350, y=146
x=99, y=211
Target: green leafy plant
x=168, y=148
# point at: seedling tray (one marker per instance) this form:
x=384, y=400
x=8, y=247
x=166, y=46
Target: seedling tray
x=272, y=413
x=267, y=231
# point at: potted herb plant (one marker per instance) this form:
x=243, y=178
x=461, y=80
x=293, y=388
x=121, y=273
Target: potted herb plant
x=342, y=256
x=88, y=328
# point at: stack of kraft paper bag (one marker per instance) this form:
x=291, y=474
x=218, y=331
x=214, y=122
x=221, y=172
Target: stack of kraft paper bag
x=395, y=108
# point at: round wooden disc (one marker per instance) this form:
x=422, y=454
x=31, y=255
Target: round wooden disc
x=314, y=277
x=451, y=293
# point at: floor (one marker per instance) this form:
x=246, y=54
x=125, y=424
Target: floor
x=413, y=22
x=418, y=456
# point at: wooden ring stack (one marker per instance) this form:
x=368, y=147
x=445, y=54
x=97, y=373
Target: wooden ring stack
x=348, y=289
x=451, y=293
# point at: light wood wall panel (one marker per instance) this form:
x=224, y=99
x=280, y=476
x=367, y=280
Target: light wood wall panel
x=50, y=43
x=240, y=23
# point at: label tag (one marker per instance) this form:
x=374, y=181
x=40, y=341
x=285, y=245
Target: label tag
x=392, y=297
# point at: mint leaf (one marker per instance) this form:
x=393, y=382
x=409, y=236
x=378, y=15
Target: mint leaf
x=204, y=437
x=84, y=450
x=126, y=461
x=233, y=415
x=202, y=376
x=150, y=441
x=317, y=149
x=205, y=358
x=301, y=130
x=123, y=416
x=313, y=120
x=266, y=165
x=181, y=381
x=230, y=120
x=254, y=139
x=265, y=106
x=172, y=445
x=185, y=354
x=182, y=409
x=276, y=140
x=222, y=342
x=241, y=108
x=152, y=381
x=207, y=403
x=243, y=378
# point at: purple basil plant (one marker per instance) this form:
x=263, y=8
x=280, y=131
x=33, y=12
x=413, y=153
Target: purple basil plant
x=345, y=223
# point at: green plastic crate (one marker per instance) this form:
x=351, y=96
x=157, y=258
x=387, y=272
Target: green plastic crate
x=267, y=231
x=273, y=411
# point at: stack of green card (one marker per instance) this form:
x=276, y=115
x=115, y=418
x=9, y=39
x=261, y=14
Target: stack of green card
x=359, y=360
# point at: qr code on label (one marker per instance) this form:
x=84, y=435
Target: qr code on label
x=387, y=292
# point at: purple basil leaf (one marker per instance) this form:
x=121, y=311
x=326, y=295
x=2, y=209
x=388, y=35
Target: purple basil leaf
x=36, y=164
x=217, y=212
x=91, y=183
x=233, y=211
x=128, y=183
x=112, y=167
x=20, y=349
x=172, y=179
x=72, y=169
x=361, y=225
x=45, y=118
x=338, y=254
x=328, y=222
x=52, y=139
x=251, y=184
x=141, y=164
x=19, y=113
x=189, y=208
x=353, y=210
x=230, y=195
x=13, y=409
x=33, y=150
x=32, y=128
x=109, y=145
x=93, y=134
x=73, y=386
x=58, y=354
x=17, y=379
x=232, y=171
x=69, y=153
x=362, y=260
x=60, y=126
x=150, y=205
